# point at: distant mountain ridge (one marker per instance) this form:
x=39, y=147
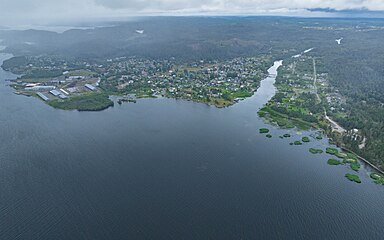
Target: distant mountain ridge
x=353, y=13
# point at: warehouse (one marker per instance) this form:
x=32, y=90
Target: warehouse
x=90, y=87
x=55, y=93
x=42, y=96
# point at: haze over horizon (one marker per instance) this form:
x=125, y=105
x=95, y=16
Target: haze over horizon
x=47, y=12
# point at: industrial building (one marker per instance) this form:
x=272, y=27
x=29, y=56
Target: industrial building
x=40, y=88
x=42, y=96
x=55, y=93
x=90, y=87
x=65, y=92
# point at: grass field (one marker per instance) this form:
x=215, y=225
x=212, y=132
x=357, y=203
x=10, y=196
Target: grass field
x=86, y=102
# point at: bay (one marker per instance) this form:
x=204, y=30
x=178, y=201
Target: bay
x=171, y=169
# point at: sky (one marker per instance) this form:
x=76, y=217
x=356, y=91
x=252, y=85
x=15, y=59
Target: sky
x=24, y=12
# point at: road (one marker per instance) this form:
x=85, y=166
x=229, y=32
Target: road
x=315, y=80
x=335, y=126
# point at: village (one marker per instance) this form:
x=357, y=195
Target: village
x=220, y=83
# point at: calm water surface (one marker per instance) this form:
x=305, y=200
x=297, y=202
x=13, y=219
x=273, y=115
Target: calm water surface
x=168, y=169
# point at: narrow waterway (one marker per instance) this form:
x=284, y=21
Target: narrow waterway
x=266, y=90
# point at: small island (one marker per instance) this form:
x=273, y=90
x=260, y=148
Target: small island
x=378, y=178
x=263, y=130
x=334, y=162
x=353, y=178
x=315, y=151
x=332, y=151
x=297, y=143
x=355, y=166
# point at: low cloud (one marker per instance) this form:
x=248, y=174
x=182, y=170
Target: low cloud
x=16, y=12
x=244, y=5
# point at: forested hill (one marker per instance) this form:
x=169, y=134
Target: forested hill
x=180, y=37
x=356, y=70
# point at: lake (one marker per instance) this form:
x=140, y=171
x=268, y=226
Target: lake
x=171, y=169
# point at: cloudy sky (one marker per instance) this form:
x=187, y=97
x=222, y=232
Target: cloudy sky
x=13, y=12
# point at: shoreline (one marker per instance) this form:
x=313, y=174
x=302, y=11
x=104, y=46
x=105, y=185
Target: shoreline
x=218, y=96
x=362, y=159
x=316, y=126
x=272, y=72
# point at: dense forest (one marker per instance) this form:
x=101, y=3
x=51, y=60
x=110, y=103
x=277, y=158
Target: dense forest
x=356, y=70
x=180, y=37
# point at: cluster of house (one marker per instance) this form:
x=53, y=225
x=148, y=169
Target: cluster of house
x=198, y=79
